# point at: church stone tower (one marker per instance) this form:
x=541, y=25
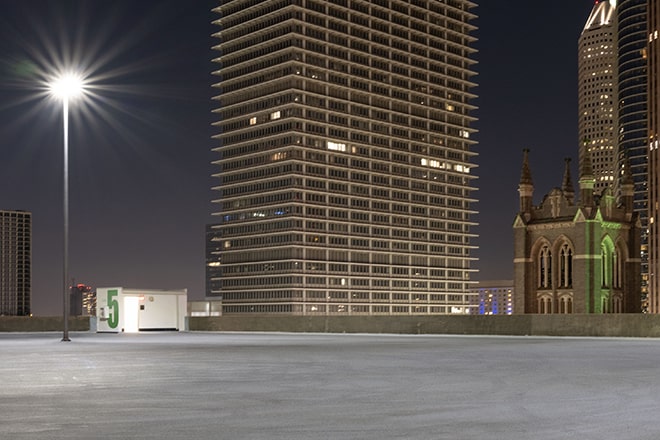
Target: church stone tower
x=576, y=256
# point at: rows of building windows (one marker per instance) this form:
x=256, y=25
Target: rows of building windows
x=354, y=242
x=350, y=156
x=454, y=149
x=454, y=187
x=355, y=190
x=342, y=309
x=348, y=296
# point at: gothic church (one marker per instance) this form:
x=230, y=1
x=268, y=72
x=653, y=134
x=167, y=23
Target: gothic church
x=576, y=256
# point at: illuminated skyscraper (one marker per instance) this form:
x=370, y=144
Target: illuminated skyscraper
x=653, y=36
x=597, y=99
x=15, y=262
x=632, y=112
x=345, y=162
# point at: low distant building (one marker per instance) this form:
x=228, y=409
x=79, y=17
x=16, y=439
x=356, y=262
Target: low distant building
x=15, y=263
x=207, y=308
x=492, y=298
x=577, y=256
x=119, y=309
x=83, y=300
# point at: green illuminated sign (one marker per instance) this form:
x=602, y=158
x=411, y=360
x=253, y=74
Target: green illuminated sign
x=113, y=306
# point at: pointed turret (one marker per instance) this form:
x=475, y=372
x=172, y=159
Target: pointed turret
x=587, y=181
x=567, y=182
x=526, y=185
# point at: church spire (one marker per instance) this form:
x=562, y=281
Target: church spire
x=567, y=182
x=526, y=173
x=526, y=185
x=587, y=180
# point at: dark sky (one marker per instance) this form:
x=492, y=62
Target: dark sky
x=140, y=146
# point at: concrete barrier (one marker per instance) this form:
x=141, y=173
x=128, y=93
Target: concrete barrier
x=622, y=325
x=42, y=323
x=614, y=325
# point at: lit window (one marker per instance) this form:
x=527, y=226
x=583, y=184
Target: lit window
x=253, y=121
x=336, y=146
x=276, y=115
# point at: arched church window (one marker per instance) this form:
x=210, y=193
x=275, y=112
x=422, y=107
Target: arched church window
x=544, y=305
x=545, y=268
x=609, y=263
x=617, y=270
x=565, y=266
x=605, y=267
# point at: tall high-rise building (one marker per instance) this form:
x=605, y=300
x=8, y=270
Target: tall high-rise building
x=632, y=112
x=15, y=262
x=213, y=267
x=653, y=38
x=345, y=163
x=597, y=98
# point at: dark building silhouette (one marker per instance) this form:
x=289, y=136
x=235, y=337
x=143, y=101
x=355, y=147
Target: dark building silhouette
x=82, y=300
x=15, y=263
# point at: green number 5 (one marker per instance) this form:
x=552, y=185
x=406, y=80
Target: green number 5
x=113, y=305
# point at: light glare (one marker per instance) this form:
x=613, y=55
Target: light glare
x=67, y=86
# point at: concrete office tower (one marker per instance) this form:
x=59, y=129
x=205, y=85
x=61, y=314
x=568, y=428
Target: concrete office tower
x=633, y=126
x=653, y=37
x=345, y=163
x=15, y=262
x=597, y=99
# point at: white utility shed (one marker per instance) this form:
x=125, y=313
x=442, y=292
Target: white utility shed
x=133, y=310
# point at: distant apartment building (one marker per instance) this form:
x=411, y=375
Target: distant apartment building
x=15, y=263
x=493, y=297
x=345, y=174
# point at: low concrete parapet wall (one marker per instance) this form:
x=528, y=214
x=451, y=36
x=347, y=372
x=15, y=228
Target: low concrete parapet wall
x=614, y=325
x=42, y=323
x=621, y=325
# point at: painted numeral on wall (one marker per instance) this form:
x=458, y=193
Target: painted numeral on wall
x=113, y=306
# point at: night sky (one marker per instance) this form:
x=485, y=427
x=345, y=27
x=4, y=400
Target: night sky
x=140, y=159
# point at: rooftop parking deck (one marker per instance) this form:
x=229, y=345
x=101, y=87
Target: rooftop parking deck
x=326, y=386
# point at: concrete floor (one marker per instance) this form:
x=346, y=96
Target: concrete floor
x=320, y=386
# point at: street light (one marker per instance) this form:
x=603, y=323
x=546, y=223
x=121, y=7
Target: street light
x=66, y=88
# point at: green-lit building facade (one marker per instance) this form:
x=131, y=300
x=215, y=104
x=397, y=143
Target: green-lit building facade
x=576, y=256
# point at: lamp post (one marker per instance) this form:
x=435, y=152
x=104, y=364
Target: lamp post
x=66, y=88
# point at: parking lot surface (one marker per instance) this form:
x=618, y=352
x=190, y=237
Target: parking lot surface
x=326, y=386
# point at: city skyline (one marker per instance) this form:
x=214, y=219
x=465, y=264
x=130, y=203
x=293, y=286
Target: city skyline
x=141, y=196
